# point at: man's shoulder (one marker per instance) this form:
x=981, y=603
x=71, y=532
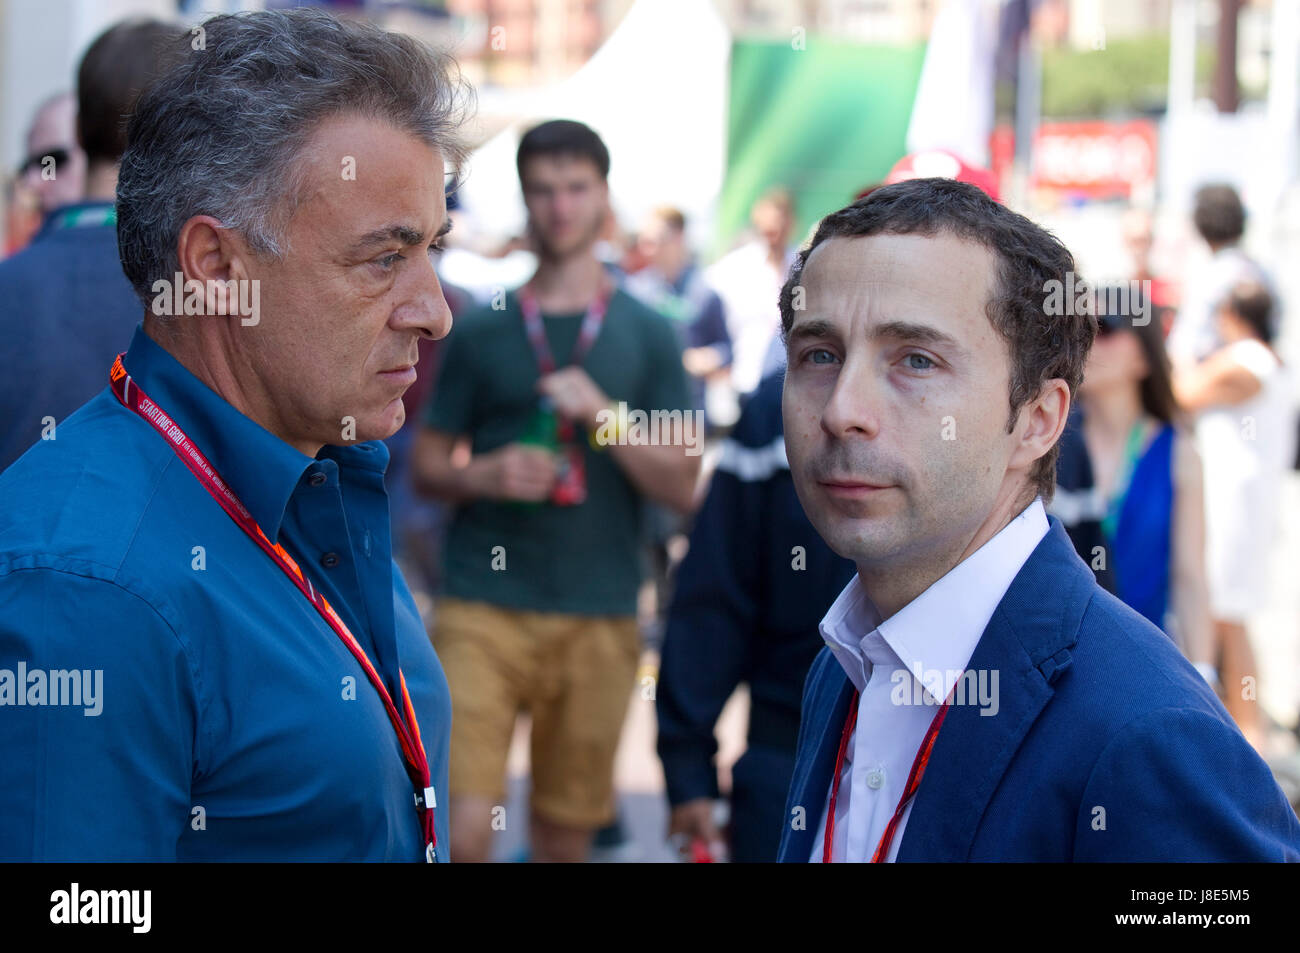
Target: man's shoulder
x=643, y=286
x=1119, y=647
x=1117, y=671
x=79, y=498
x=636, y=313
x=1100, y=661
x=1138, y=728
x=51, y=248
x=27, y=266
x=76, y=274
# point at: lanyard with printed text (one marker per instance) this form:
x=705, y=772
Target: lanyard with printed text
x=587, y=334
x=913, y=781
x=408, y=730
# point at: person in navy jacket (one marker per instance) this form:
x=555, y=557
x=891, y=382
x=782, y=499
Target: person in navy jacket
x=980, y=697
x=749, y=593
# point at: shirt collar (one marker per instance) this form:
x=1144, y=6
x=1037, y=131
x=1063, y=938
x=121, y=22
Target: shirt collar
x=935, y=634
x=91, y=210
x=261, y=469
x=851, y=619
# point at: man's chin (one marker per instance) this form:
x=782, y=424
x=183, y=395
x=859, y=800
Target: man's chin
x=390, y=421
x=378, y=426
x=860, y=539
x=567, y=245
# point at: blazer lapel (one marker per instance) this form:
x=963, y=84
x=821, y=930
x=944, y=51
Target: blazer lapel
x=815, y=760
x=1026, y=643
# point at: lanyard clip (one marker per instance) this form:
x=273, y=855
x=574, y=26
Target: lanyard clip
x=430, y=854
x=426, y=799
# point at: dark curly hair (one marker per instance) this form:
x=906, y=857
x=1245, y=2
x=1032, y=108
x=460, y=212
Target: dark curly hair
x=563, y=137
x=1042, y=346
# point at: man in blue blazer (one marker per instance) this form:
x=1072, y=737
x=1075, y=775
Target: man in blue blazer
x=980, y=697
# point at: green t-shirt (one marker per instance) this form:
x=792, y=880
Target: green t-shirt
x=582, y=559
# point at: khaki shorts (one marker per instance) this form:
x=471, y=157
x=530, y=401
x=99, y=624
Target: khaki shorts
x=573, y=673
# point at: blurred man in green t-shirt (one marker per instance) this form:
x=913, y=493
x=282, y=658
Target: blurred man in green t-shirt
x=573, y=403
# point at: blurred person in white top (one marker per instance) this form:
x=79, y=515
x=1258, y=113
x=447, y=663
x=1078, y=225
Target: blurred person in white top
x=1246, y=432
x=1220, y=220
x=749, y=281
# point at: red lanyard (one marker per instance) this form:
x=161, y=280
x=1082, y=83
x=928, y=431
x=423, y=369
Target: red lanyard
x=913, y=781
x=408, y=730
x=587, y=335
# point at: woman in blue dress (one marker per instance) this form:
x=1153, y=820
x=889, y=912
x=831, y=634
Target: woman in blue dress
x=1147, y=482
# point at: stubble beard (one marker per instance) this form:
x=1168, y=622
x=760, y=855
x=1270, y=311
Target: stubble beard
x=579, y=247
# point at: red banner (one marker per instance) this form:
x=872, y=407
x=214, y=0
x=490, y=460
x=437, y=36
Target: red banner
x=1093, y=158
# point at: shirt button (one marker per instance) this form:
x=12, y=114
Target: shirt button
x=875, y=778
x=317, y=479
x=329, y=560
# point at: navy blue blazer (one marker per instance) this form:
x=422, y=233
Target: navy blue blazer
x=1106, y=745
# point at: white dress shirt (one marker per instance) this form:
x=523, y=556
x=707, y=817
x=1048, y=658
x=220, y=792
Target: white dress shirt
x=904, y=667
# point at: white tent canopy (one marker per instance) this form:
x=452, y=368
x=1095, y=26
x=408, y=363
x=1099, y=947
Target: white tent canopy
x=656, y=92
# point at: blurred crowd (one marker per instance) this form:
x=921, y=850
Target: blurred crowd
x=558, y=573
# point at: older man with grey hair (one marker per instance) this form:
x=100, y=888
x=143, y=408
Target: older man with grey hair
x=206, y=650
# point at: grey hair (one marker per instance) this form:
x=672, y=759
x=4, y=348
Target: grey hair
x=221, y=133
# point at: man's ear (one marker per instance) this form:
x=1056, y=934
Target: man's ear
x=212, y=255
x=1042, y=421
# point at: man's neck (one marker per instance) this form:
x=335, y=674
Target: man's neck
x=672, y=273
x=892, y=585
x=568, y=285
x=672, y=269
x=101, y=182
x=212, y=366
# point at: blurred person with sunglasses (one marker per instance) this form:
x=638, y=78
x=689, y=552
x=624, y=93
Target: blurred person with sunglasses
x=68, y=306
x=55, y=167
x=52, y=174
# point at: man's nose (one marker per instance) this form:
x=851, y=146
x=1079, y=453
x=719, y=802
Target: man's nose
x=426, y=309
x=563, y=204
x=853, y=408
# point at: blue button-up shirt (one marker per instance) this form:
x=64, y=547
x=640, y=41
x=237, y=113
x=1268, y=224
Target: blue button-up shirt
x=166, y=692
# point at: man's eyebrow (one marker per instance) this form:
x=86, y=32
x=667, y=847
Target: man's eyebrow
x=403, y=234
x=812, y=328
x=911, y=331
x=916, y=333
